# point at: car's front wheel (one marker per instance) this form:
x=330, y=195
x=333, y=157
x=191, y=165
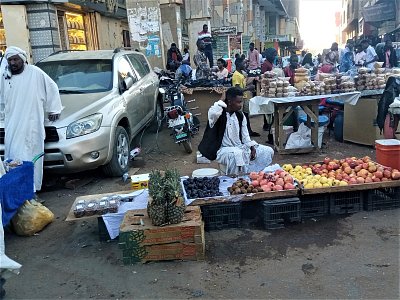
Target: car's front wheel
x=119, y=163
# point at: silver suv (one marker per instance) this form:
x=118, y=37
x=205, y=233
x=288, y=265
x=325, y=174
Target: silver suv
x=108, y=98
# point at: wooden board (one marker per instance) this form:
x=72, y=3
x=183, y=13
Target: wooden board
x=353, y=187
x=247, y=197
x=137, y=229
x=71, y=216
x=140, y=241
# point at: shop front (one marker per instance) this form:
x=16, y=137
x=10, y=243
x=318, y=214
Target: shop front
x=3, y=44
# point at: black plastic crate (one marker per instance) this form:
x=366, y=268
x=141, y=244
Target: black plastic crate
x=220, y=216
x=277, y=212
x=103, y=232
x=313, y=206
x=346, y=202
x=383, y=198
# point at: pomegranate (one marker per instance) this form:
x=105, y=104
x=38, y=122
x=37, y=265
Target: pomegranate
x=255, y=183
x=387, y=173
x=266, y=188
x=288, y=186
x=395, y=175
x=277, y=187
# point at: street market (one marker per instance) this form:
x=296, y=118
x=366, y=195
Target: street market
x=196, y=154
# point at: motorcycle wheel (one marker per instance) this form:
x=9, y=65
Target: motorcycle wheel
x=188, y=146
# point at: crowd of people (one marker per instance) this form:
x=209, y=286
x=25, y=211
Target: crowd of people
x=235, y=149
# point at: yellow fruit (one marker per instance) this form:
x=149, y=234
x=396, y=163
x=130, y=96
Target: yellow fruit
x=343, y=183
x=326, y=185
x=298, y=168
x=309, y=186
x=323, y=180
x=287, y=167
x=317, y=177
x=317, y=185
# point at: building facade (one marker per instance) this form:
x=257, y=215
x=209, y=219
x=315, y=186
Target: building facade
x=372, y=19
x=45, y=27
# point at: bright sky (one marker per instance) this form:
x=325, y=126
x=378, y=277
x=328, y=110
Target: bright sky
x=317, y=23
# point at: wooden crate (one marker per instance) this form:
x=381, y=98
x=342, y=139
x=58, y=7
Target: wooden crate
x=140, y=241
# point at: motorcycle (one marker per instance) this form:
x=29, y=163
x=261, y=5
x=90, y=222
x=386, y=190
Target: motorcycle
x=181, y=121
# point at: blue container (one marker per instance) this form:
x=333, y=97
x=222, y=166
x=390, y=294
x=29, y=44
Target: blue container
x=338, y=126
x=322, y=120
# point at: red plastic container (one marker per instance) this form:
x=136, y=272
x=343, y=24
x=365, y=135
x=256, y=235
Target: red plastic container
x=388, y=153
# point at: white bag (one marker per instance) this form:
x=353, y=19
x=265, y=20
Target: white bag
x=299, y=139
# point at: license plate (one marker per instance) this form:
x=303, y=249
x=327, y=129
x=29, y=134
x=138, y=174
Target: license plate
x=181, y=135
x=179, y=121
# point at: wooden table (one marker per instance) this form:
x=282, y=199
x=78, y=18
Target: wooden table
x=282, y=108
x=282, y=111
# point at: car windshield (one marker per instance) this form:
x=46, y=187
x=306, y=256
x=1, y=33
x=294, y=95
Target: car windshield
x=80, y=76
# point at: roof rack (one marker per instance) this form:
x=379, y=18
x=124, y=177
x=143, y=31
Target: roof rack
x=119, y=49
x=64, y=51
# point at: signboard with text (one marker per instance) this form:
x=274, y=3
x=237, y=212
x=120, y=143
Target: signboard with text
x=379, y=12
x=226, y=30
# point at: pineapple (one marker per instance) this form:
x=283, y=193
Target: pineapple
x=173, y=194
x=156, y=208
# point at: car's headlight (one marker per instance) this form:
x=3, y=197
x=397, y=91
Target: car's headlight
x=84, y=126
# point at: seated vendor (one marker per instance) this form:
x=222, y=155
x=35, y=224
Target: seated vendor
x=227, y=140
x=290, y=69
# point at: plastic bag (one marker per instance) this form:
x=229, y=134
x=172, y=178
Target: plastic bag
x=31, y=217
x=299, y=139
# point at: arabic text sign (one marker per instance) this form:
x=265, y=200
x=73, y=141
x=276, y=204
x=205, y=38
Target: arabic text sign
x=226, y=30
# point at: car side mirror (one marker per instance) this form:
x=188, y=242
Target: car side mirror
x=127, y=83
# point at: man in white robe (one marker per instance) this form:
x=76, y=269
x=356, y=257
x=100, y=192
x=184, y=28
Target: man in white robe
x=29, y=97
x=227, y=135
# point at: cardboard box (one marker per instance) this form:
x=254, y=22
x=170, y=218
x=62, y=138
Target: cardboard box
x=360, y=122
x=140, y=181
x=140, y=241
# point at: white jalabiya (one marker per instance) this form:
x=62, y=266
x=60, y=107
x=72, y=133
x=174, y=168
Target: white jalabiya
x=7, y=265
x=234, y=153
x=27, y=99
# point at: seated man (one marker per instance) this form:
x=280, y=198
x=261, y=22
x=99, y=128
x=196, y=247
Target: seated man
x=184, y=71
x=226, y=138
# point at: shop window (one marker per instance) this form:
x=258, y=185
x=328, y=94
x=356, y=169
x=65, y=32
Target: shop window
x=140, y=64
x=126, y=38
x=3, y=45
x=76, y=31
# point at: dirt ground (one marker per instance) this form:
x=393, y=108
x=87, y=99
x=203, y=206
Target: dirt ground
x=353, y=256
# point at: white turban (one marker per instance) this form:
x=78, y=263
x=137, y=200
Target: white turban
x=11, y=51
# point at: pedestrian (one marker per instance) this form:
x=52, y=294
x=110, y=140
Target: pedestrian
x=174, y=58
x=29, y=97
x=301, y=56
x=227, y=140
x=389, y=55
x=347, y=59
x=370, y=54
x=237, y=56
x=239, y=80
x=290, y=69
x=186, y=55
x=203, y=71
x=206, y=37
x=253, y=57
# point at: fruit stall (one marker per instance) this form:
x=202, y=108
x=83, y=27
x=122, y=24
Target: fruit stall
x=167, y=220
